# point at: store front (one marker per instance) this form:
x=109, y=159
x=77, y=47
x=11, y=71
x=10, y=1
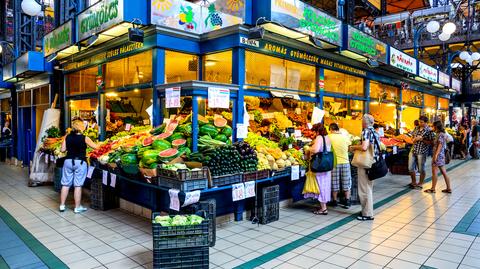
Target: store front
x=412, y=103
x=383, y=105
x=442, y=111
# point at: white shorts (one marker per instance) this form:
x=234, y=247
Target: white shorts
x=74, y=171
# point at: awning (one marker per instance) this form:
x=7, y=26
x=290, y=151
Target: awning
x=396, y=6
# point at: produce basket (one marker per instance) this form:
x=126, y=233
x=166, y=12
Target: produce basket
x=197, y=258
x=187, y=185
x=255, y=175
x=183, y=174
x=269, y=209
x=226, y=180
x=282, y=172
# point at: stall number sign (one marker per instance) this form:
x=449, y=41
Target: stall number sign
x=402, y=61
x=172, y=97
x=427, y=72
x=218, y=98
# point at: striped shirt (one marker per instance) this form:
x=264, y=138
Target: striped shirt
x=372, y=136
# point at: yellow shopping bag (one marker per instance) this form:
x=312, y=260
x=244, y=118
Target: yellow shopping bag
x=311, y=184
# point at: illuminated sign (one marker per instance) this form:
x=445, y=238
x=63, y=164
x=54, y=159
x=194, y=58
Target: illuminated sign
x=444, y=79
x=427, y=72
x=99, y=17
x=402, y=61
x=366, y=45
x=456, y=85
x=58, y=39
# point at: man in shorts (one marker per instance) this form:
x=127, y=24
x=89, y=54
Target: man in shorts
x=341, y=174
x=422, y=139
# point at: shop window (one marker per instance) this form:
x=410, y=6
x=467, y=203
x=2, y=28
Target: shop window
x=132, y=107
x=346, y=113
x=41, y=96
x=83, y=81
x=408, y=117
x=383, y=92
x=430, y=101
x=268, y=71
x=83, y=109
x=218, y=67
x=410, y=97
x=180, y=67
x=443, y=103
x=131, y=70
x=385, y=114
x=342, y=83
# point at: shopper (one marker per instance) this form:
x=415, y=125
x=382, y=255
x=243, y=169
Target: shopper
x=463, y=141
x=438, y=159
x=341, y=173
x=365, y=185
x=75, y=165
x=6, y=131
x=324, y=179
x=422, y=139
x=475, y=139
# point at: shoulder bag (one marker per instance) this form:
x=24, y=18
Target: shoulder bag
x=323, y=160
x=379, y=168
x=364, y=159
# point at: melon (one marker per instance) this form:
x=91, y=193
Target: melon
x=164, y=135
x=175, y=136
x=227, y=130
x=147, y=141
x=168, y=153
x=179, y=142
x=171, y=126
x=202, y=120
x=220, y=122
x=161, y=144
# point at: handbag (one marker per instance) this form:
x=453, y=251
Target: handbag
x=364, y=159
x=311, y=184
x=323, y=160
x=379, y=168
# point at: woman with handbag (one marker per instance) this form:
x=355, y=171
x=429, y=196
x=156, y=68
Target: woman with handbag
x=439, y=158
x=321, y=144
x=366, y=154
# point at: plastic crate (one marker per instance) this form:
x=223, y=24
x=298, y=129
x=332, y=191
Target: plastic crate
x=183, y=174
x=208, y=210
x=102, y=197
x=187, y=185
x=171, y=242
x=57, y=178
x=181, y=258
x=159, y=231
x=256, y=175
x=282, y=172
x=269, y=209
x=226, y=180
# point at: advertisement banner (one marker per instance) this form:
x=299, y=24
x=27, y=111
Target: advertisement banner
x=307, y=19
x=427, y=72
x=58, y=39
x=99, y=17
x=443, y=79
x=366, y=45
x=403, y=61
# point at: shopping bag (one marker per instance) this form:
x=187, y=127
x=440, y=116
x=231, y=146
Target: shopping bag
x=311, y=184
x=364, y=159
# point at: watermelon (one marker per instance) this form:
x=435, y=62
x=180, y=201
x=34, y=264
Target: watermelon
x=175, y=136
x=158, y=130
x=208, y=129
x=168, y=154
x=147, y=141
x=189, y=142
x=221, y=137
x=161, y=144
x=150, y=156
x=183, y=151
x=202, y=120
x=129, y=148
x=128, y=159
x=163, y=136
x=227, y=130
x=171, y=126
x=179, y=142
x=220, y=122
x=185, y=129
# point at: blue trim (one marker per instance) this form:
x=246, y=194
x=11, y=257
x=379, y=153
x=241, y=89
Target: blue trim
x=195, y=127
x=238, y=77
x=366, y=87
x=178, y=44
x=220, y=44
x=158, y=77
x=321, y=77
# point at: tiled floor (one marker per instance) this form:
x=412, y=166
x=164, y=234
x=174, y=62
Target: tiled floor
x=411, y=229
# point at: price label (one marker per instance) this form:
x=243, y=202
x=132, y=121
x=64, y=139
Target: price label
x=285, y=111
x=298, y=133
x=128, y=126
x=146, y=122
x=90, y=171
x=298, y=111
x=113, y=180
x=191, y=197
x=105, y=177
x=242, y=130
x=295, y=172
x=52, y=158
x=218, y=98
x=249, y=189
x=85, y=123
x=395, y=150
x=267, y=116
x=172, y=97
x=302, y=172
x=174, y=201
x=309, y=125
x=238, y=192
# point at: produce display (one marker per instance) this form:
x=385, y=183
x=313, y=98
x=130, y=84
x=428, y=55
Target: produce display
x=178, y=220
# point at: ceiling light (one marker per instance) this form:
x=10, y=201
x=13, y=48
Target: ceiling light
x=449, y=28
x=444, y=36
x=464, y=55
x=433, y=26
x=210, y=63
x=475, y=56
x=111, y=94
x=31, y=7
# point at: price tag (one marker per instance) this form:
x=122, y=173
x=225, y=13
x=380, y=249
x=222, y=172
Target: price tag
x=298, y=133
x=90, y=171
x=295, y=172
x=267, y=116
x=298, y=111
x=46, y=158
x=302, y=172
x=52, y=158
x=113, y=180
x=242, y=130
x=395, y=150
x=309, y=125
x=93, y=125
x=249, y=189
x=172, y=97
x=285, y=111
x=85, y=123
x=191, y=197
x=146, y=122
x=128, y=126
x=174, y=201
x=218, y=98
x=238, y=192
x=105, y=177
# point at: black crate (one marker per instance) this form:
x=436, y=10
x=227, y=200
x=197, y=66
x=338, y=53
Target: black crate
x=183, y=174
x=187, y=185
x=269, y=209
x=208, y=210
x=226, y=180
x=282, y=172
x=57, y=178
x=255, y=175
x=354, y=199
x=170, y=242
x=102, y=197
x=181, y=258
x=159, y=231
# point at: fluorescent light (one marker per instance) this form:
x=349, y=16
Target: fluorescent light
x=111, y=94
x=210, y=63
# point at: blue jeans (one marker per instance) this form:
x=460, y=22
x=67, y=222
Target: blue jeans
x=416, y=161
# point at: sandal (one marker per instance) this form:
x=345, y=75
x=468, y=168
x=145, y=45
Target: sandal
x=364, y=218
x=321, y=212
x=429, y=191
x=412, y=186
x=447, y=191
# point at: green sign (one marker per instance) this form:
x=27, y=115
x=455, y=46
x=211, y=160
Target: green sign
x=99, y=17
x=57, y=39
x=366, y=45
x=320, y=25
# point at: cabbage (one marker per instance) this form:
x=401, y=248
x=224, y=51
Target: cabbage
x=195, y=220
x=179, y=221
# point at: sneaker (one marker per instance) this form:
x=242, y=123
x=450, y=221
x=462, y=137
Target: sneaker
x=346, y=204
x=79, y=209
x=61, y=208
x=332, y=203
